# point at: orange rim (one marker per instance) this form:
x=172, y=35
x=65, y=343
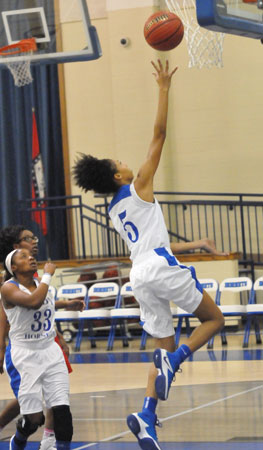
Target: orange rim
x=23, y=46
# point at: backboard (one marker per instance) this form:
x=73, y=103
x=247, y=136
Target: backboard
x=62, y=29
x=240, y=17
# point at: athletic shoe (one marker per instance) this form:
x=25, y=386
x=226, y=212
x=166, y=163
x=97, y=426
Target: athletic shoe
x=167, y=365
x=14, y=446
x=11, y=443
x=143, y=427
x=48, y=443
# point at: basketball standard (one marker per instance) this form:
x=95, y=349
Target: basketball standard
x=240, y=17
x=47, y=23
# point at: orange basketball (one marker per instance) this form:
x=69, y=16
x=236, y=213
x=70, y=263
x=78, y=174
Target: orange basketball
x=163, y=30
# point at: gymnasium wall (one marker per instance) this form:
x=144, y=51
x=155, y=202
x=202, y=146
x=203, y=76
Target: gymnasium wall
x=214, y=140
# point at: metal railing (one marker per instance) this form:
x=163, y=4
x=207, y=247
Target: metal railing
x=75, y=230
x=234, y=221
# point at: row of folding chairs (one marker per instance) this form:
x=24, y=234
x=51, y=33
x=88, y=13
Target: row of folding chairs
x=250, y=311
x=118, y=313
x=115, y=314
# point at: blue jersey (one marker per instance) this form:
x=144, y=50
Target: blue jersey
x=141, y=224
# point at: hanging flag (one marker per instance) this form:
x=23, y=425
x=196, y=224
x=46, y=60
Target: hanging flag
x=38, y=180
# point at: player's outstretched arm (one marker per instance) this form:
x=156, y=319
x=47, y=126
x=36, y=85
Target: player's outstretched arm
x=74, y=304
x=203, y=244
x=144, y=181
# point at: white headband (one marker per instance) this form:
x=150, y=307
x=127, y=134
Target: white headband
x=8, y=261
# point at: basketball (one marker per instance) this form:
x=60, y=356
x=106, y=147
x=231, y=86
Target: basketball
x=163, y=30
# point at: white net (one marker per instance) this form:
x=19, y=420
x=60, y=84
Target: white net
x=19, y=66
x=205, y=47
x=21, y=72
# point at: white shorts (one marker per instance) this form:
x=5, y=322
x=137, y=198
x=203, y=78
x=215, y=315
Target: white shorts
x=157, y=279
x=37, y=374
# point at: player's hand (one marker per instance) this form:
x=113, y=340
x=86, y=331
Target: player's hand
x=75, y=304
x=49, y=267
x=209, y=246
x=162, y=74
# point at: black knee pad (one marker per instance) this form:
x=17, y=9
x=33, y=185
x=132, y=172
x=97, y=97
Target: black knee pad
x=63, y=427
x=26, y=427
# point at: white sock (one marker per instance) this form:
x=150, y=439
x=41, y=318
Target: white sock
x=48, y=440
x=48, y=434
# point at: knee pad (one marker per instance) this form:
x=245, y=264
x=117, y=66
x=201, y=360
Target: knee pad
x=63, y=427
x=26, y=427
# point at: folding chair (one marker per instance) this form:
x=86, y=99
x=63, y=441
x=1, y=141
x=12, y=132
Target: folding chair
x=253, y=311
x=210, y=285
x=238, y=285
x=70, y=291
x=100, y=293
x=119, y=314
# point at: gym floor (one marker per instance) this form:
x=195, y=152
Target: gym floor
x=215, y=403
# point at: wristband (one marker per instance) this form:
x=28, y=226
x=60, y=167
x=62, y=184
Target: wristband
x=46, y=278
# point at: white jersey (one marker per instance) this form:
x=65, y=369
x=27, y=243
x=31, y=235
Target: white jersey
x=32, y=327
x=140, y=223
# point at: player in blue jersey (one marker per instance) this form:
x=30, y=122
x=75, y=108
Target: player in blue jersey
x=156, y=275
x=34, y=361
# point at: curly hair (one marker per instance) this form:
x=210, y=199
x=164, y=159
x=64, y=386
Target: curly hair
x=93, y=174
x=8, y=237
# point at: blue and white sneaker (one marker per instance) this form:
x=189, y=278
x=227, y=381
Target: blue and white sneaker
x=14, y=446
x=143, y=427
x=167, y=365
x=11, y=443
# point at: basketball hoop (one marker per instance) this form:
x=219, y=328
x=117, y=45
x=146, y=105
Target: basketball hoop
x=20, y=69
x=205, y=47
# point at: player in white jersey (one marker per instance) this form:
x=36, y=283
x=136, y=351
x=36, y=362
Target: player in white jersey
x=12, y=237
x=33, y=360
x=156, y=275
